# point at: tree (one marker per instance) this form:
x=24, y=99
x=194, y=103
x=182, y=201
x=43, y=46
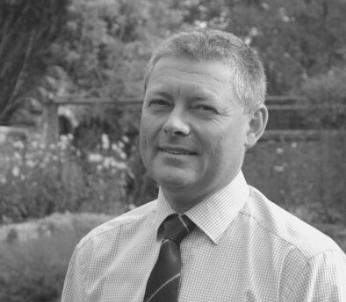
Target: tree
x=107, y=44
x=296, y=39
x=27, y=28
x=103, y=53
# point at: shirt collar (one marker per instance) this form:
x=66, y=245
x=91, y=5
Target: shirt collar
x=163, y=210
x=213, y=214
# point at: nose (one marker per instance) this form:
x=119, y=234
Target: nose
x=176, y=124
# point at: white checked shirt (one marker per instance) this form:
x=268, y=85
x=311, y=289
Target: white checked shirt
x=244, y=248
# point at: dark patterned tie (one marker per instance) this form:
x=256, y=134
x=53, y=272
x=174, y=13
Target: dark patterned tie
x=164, y=279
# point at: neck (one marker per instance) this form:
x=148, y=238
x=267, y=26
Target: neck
x=182, y=201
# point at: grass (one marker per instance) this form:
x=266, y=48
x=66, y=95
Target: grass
x=33, y=270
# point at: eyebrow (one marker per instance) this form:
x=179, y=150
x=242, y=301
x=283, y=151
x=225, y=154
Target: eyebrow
x=198, y=94
x=158, y=92
x=202, y=94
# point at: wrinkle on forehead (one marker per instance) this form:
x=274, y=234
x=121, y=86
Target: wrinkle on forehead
x=225, y=79
x=194, y=68
x=202, y=87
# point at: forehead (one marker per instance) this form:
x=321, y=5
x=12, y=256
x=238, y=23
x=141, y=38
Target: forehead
x=179, y=71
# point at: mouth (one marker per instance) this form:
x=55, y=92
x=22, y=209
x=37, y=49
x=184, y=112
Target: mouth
x=176, y=150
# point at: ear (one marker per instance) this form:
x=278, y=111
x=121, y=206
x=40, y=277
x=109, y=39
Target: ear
x=257, y=123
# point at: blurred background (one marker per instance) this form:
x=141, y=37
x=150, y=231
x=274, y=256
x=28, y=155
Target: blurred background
x=70, y=97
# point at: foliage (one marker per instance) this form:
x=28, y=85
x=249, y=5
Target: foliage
x=106, y=45
x=326, y=96
x=304, y=175
x=98, y=50
x=27, y=28
x=297, y=39
x=41, y=180
x=101, y=56
x=83, y=48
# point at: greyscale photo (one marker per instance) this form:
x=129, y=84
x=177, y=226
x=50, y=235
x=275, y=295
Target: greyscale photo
x=172, y=151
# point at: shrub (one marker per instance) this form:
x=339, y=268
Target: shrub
x=41, y=180
x=304, y=175
x=29, y=273
x=326, y=96
x=34, y=269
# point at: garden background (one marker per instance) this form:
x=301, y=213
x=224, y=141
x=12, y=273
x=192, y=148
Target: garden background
x=71, y=86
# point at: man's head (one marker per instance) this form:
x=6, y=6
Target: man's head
x=203, y=107
x=248, y=78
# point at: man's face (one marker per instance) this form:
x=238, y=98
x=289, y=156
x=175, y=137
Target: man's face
x=193, y=130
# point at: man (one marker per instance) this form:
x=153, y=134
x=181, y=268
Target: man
x=203, y=108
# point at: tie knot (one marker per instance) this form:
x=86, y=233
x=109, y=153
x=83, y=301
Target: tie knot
x=176, y=227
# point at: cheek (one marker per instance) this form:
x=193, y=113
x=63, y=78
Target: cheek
x=212, y=150
x=223, y=150
x=148, y=135
x=149, y=125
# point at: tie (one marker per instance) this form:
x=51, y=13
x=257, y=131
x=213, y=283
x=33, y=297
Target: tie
x=164, y=279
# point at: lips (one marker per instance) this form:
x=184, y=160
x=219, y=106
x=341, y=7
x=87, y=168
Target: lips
x=176, y=150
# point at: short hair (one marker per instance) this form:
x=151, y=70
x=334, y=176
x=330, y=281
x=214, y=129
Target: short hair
x=249, y=80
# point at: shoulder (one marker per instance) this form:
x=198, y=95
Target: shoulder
x=127, y=223
x=308, y=261
x=286, y=229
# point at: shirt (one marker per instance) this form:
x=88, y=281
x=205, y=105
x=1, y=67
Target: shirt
x=243, y=248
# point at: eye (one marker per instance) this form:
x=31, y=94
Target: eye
x=158, y=103
x=206, y=108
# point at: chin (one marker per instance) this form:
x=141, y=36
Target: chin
x=172, y=181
